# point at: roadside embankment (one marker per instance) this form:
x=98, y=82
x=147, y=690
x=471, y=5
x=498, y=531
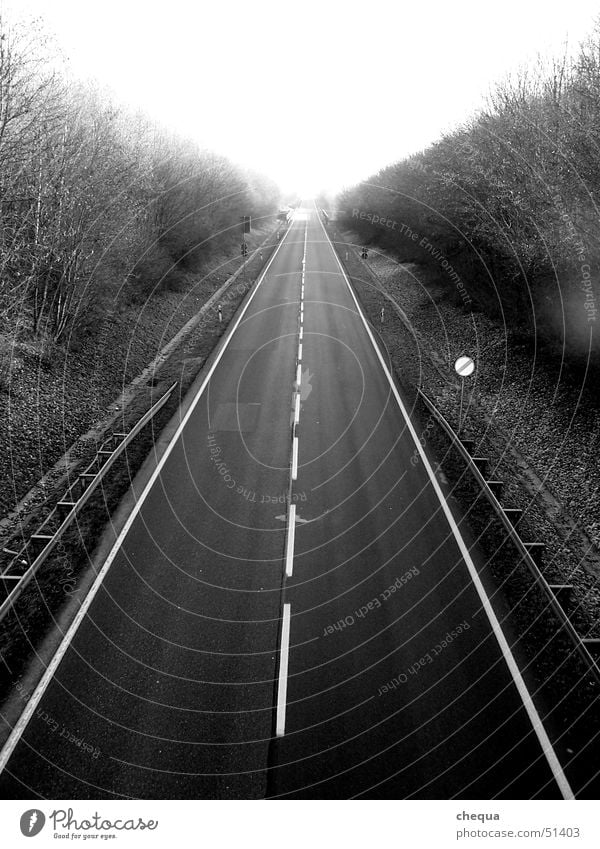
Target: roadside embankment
x=137, y=356
x=533, y=415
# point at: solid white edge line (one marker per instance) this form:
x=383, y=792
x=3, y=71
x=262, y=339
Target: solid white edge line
x=289, y=545
x=295, y=459
x=283, y=671
x=41, y=688
x=532, y=712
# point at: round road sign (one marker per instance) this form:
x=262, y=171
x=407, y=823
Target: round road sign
x=464, y=366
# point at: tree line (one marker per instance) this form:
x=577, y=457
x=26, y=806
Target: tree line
x=505, y=207
x=93, y=197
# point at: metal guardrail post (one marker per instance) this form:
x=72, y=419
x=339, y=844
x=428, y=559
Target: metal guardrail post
x=66, y=509
x=530, y=552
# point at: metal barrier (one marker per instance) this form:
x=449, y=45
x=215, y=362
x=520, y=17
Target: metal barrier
x=21, y=569
x=510, y=519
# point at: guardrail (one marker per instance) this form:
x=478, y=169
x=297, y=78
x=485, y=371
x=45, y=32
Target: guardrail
x=530, y=552
x=22, y=568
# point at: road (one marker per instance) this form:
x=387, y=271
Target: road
x=293, y=610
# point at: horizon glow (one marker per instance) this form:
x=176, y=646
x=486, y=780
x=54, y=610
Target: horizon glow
x=317, y=96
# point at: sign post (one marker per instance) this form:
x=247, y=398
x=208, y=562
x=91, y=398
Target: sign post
x=464, y=367
x=244, y=255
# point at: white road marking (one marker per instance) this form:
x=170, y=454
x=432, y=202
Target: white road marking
x=301, y=333
x=528, y=704
x=298, y=375
x=289, y=545
x=295, y=459
x=305, y=239
x=283, y=671
x=300, y=352
x=299, y=520
x=41, y=688
x=297, y=409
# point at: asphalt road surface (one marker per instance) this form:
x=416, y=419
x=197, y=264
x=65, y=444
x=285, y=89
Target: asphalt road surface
x=292, y=611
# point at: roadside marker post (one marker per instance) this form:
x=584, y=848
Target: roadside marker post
x=464, y=367
x=244, y=255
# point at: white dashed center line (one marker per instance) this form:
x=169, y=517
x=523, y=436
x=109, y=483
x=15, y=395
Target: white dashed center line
x=295, y=459
x=289, y=547
x=291, y=524
x=283, y=671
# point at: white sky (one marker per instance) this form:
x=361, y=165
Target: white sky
x=317, y=93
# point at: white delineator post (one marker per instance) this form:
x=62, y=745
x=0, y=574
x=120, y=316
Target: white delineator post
x=464, y=367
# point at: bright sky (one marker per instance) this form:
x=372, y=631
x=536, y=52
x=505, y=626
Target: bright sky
x=317, y=93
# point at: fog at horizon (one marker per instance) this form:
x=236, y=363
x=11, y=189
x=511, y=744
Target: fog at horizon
x=317, y=96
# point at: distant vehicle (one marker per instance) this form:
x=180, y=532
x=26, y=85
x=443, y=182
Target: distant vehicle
x=285, y=215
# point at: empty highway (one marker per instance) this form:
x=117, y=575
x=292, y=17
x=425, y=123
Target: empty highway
x=292, y=610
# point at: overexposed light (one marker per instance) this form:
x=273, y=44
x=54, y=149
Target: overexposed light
x=315, y=94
